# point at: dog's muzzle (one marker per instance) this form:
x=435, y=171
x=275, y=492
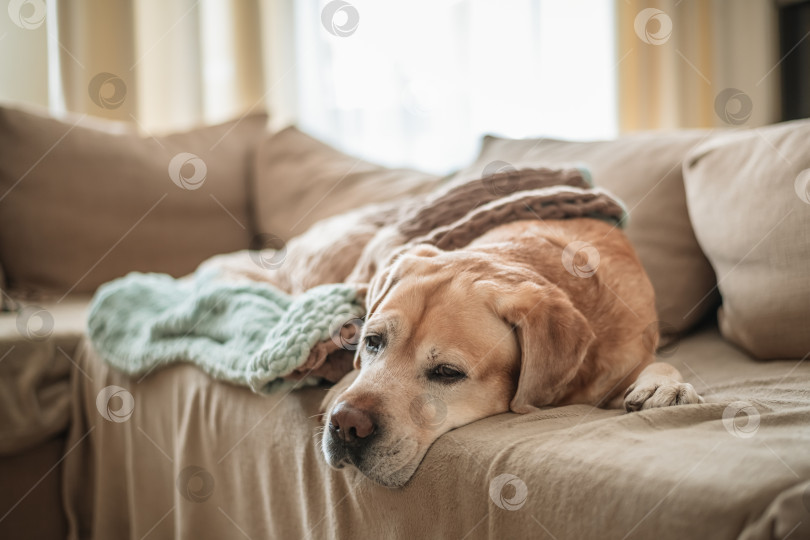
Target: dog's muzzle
x=350, y=431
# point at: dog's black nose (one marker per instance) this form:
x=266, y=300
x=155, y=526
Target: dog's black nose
x=350, y=424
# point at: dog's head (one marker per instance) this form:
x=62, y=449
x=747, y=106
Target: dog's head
x=450, y=338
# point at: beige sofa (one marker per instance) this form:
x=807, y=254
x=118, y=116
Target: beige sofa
x=714, y=215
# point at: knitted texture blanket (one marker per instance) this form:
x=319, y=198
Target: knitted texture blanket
x=454, y=218
x=514, y=195
x=249, y=334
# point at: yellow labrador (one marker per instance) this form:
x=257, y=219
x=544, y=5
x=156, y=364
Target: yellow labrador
x=523, y=317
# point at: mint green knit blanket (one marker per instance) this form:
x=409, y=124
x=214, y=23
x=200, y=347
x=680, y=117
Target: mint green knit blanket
x=247, y=333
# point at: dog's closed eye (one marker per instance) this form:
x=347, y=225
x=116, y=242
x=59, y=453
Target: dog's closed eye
x=447, y=374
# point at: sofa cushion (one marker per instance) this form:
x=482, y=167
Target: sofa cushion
x=300, y=180
x=749, y=199
x=85, y=201
x=643, y=170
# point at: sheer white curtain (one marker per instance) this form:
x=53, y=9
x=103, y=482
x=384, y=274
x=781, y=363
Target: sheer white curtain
x=417, y=83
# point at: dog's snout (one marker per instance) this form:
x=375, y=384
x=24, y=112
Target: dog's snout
x=350, y=424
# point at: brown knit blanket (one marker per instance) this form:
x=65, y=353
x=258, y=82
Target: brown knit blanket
x=453, y=219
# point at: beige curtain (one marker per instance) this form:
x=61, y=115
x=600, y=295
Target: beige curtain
x=23, y=56
x=697, y=63
x=169, y=65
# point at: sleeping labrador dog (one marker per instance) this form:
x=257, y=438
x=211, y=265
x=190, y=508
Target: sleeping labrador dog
x=516, y=320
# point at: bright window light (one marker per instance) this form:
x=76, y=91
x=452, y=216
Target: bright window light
x=419, y=82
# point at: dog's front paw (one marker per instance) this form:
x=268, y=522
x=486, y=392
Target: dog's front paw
x=656, y=393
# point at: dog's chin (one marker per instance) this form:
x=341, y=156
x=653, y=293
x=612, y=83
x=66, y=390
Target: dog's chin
x=391, y=468
x=392, y=479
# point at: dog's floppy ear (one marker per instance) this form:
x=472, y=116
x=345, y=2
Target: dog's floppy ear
x=553, y=336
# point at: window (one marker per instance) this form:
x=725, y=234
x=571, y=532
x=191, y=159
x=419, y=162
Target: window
x=418, y=85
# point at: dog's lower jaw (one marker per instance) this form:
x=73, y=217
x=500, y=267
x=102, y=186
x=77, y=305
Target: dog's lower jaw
x=383, y=471
x=391, y=479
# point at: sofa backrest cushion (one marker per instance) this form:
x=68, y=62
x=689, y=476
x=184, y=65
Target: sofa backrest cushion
x=749, y=200
x=300, y=180
x=85, y=201
x=643, y=170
